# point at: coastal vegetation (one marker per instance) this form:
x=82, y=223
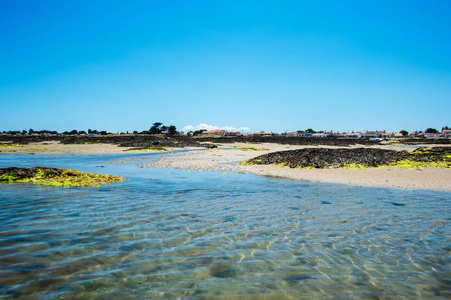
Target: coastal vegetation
x=248, y=148
x=10, y=145
x=151, y=149
x=159, y=128
x=156, y=128
x=55, y=177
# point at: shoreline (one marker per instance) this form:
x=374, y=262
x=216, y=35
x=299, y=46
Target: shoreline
x=438, y=179
x=55, y=147
x=394, y=178
x=226, y=159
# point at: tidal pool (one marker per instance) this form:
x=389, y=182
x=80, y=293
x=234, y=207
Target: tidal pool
x=193, y=235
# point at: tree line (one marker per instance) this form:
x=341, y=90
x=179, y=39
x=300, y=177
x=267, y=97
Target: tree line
x=156, y=128
x=159, y=128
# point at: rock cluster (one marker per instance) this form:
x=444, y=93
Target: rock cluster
x=340, y=157
x=22, y=173
x=55, y=177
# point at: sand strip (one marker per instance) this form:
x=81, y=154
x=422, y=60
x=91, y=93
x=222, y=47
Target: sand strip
x=54, y=147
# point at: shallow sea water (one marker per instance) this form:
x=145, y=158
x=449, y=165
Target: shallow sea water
x=195, y=235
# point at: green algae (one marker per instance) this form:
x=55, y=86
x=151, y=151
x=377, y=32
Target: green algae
x=411, y=164
x=249, y=162
x=354, y=166
x=214, y=149
x=248, y=148
x=57, y=177
x=281, y=165
x=305, y=168
x=10, y=145
x=151, y=149
x=8, y=178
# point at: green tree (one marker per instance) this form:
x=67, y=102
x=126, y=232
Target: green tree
x=431, y=130
x=199, y=132
x=404, y=132
x=310, y=130
x=172, y=130
x=155, y=129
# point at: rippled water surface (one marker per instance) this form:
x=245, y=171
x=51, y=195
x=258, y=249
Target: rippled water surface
x=194, y=235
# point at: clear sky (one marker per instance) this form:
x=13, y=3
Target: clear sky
x=263, y=65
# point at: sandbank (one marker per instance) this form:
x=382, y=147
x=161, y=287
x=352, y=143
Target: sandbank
x=55, y=147
x=226, y=159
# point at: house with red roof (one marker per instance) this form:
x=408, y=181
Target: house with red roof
x=432, y=135
x=387, y=135
x=446, y=133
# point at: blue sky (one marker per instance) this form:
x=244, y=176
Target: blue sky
x=263, y=65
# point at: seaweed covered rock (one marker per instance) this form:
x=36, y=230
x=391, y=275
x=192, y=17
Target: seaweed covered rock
x=56, y=177
x=365, y=157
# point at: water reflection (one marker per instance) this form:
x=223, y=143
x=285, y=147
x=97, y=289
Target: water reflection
x=168, y=233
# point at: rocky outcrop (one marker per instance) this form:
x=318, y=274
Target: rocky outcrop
x=55, y=177
x=341, y=157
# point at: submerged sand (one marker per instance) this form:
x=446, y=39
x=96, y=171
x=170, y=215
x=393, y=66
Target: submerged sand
x=226, y=159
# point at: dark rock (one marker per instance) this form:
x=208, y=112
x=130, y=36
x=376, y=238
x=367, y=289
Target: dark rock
x=222, y=270
x=209, y=146
x=295, y=278
x=339, y=157
x=21, y=173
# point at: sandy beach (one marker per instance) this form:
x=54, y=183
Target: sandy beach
x=227, y=156
x=55, y=147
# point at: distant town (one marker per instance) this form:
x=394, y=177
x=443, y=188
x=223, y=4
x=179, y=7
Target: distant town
x=445, y=133
x=159, y=128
